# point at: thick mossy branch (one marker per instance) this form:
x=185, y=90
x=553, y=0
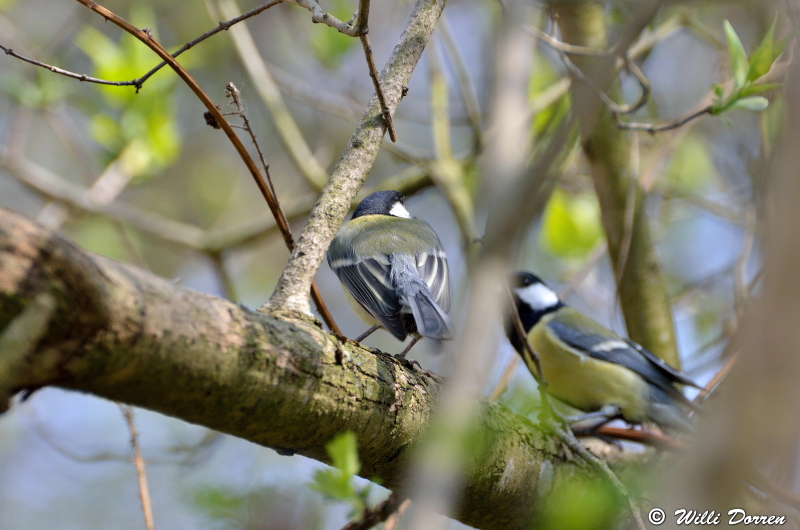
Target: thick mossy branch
x=355, y=163
x=642, y=291
x=277, y=380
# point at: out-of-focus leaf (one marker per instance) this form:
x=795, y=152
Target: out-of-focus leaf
x=691, y=167
x=572, y=226
x=343, y=451
x=755, y=103
x=762, y=59
x=581, y=504
x=739, y=62
x=337, y=484
x=48, y=90
x=328, y=45
x=139, y=129
x=333, y=485
x=757, y=89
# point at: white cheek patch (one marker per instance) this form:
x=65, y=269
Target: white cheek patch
x=538, y=296
x=398, y=210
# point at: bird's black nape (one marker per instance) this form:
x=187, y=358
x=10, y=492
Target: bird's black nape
x=380, y=203
x=522, y=279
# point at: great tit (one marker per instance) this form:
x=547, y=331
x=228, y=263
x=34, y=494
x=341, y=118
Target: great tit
x=393, y=270
x=591, y=368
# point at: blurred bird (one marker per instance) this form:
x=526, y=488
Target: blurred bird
x=591, y=368
x=393, y=270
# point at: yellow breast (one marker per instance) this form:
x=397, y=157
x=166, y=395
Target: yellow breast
x=585, y=383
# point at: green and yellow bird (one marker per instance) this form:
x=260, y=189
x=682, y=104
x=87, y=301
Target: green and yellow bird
x=591, y=368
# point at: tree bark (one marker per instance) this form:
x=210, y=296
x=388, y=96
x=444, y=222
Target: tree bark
x=275, y=379
x=642, y=291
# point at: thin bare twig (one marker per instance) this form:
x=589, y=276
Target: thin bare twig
x=319, y=16
x=79, y=77
x=642, y=436
x=376, y=81
x=226, y=282
x=653, y=128
x=717, y=379
x=141, y=471
x=378, y=514
x=223, y=26
x=146, y=37
x=362, y=17
x=232, y=92
x=393, y=520
x=264, y=84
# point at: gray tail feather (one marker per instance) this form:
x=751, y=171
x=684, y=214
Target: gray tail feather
x=431, y=319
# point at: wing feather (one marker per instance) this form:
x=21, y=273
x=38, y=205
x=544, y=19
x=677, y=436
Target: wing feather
x=615, y=349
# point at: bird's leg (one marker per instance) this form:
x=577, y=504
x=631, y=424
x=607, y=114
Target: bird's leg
x=601, y=417
x=367, y=333
x=408, y=348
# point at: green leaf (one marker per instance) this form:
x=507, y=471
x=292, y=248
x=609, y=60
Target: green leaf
x=571, y=224
x=762, y=59
x=739, y=62
x=343, y=451
x=757, y=89
x=333, y=485
x=755, y=103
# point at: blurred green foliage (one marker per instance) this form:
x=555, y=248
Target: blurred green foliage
x=571, y=227
x=337, y=484
x=551, y=110
x=139, y=130
x=581, y=504
x=691, y=168
x=46, y=91
x=328, y=45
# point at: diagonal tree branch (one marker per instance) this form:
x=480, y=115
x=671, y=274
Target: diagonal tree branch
x=355, y=163
x=121, y=333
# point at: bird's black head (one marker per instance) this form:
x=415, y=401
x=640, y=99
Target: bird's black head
x=533, y=299
x=383, y=203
